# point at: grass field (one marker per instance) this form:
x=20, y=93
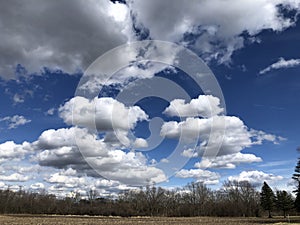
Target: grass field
x=87, y=220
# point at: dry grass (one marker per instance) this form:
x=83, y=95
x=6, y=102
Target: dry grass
x=87, y=220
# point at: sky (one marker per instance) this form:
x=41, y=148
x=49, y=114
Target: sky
x=114, y=95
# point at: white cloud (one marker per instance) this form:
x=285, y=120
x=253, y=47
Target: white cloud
x=60, y=149
x=227, y=132
x=12, y=151
x=17, y=98
x=129, y=168
x=15, y=121
x=139, y=60
x=255, y=177
x=105, y=114
x=68, y=178
x=2, y=185
x=189, y=153
x=15, y=177
x=281, y=63
x=227, y=161
x=50, y=111
x=140, y=143
x=217, y=135
x=217, y=24
x=37, y=186
x=199, y=175
x=62, y=38
x=204, y=106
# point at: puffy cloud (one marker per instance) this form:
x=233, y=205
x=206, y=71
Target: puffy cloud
x=205, y=176
x=204, y=106
x=281, y=63
x=60, y=39
x=68, y=178
x=15, y=121
x=140, y=143
x=255, y=177
x=15, y=177
x=217, y=135
x=105, y=114
x=81, y=150
x=60, y=148
x=216, y=24
x=129, y=168
x=189, y=153
x=227, y=132
x=227, y=161
x=12, y=151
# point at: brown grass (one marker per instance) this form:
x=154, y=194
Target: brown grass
x=87, y=220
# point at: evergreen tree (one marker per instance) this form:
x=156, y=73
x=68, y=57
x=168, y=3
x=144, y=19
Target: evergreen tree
x=267, y=198
x=296, y=177
x=297, y=200
x=284, y=201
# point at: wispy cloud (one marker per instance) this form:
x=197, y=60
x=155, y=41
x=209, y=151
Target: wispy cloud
x=281, y=63
x=15, y=121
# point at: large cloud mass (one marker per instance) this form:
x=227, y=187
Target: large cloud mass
x=217, y=25
x=66, y=36
x=69, y=36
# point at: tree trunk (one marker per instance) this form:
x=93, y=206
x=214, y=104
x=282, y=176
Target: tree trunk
x=270, y=216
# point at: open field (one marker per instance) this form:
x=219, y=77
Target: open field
x=87, y=220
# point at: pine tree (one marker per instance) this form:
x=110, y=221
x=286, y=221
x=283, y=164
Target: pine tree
x=296, y=177
x=284, y=201
x=297, y=200
x=267, y=198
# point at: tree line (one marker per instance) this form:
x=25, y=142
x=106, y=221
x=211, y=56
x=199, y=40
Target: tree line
x=195, y=199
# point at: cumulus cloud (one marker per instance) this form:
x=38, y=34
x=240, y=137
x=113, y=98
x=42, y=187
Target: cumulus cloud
x=68, y=178
x=281, y=63
x=140, y=143
x=227, y=161
x=228, y=132
x=15, y=177
x=204, y=106
x=15, y=121
x=60, y=148
x=82, y=151
x=105, y=114
x=205, y=176
x=217, y=25
x=215, y=135
x=12, y=151
x=190, y=153
x=61, y=38
x=255, y=177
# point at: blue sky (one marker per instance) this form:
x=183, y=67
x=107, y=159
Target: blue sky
x=72, y=120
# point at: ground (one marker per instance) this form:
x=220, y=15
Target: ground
x=87, y=220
